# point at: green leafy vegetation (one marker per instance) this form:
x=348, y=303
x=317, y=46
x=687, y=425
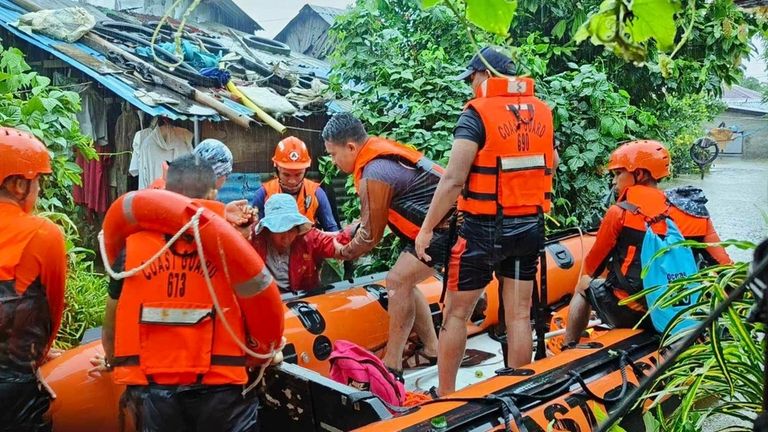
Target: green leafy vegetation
x=395, y=61
x=722, y=374
x=28, y=101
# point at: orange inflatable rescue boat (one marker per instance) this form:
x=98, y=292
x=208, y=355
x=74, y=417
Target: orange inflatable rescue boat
x=298, y=396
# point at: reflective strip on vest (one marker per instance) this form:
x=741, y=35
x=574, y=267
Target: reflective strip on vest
x=171, y=316
x=256, y=285
x=516, y=163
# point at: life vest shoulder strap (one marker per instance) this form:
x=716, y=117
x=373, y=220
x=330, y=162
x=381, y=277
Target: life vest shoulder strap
x=271, y=187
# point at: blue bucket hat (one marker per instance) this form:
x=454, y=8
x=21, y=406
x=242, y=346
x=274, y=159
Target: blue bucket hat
x=281, y=213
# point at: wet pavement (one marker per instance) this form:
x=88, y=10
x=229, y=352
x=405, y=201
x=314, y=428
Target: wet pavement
x=737, y=190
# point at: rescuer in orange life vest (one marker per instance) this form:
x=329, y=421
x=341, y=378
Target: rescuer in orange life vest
x=32, y=276
x=395, y=184
x=637, y=167
x=291, y=162
x=500, y=170
x=198, y=369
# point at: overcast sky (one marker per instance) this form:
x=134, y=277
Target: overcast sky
x=274, y=15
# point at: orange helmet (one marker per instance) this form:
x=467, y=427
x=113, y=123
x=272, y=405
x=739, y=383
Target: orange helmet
x=642, y=154
x=22, y=154
x=292, y=153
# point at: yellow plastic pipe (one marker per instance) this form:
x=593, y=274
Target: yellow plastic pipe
x=260, y=113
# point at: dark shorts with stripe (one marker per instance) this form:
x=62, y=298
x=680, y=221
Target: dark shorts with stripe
x=480, y=251
x=437, y=250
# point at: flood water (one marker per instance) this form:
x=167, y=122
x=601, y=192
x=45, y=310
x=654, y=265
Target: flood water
x=737, y=190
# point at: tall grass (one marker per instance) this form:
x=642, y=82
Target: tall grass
x=85, y=299
x=86, y=289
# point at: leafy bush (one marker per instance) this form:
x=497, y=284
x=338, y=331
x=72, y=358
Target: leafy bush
x=28, y=101
x=722, y=373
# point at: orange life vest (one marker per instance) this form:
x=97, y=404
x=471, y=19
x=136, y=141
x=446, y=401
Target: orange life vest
x=643, y=206
x=306, y=199
x=512, y=172
x=405, y=224
x=166, y=330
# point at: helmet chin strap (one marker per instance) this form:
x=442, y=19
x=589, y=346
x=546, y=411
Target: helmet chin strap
x=27, y=190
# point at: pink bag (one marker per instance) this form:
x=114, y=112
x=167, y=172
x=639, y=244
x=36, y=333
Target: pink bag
x=357, y=367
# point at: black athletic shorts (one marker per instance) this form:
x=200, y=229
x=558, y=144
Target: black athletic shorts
x=191, y=408
x=437, y=249
x=23, y=406
x=482, y=249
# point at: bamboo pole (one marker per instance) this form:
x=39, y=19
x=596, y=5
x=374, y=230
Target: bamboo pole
x=172, y=82
x=263, y=115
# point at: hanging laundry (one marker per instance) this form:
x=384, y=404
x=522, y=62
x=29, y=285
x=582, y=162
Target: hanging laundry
x=155, y=145
x=126, y=126
x=93, y=115
x=94, y=192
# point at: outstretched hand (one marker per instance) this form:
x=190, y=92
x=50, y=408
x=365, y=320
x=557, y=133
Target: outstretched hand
x=239, y=213
x=242, y=216
x=100, y=364
x=338, y=248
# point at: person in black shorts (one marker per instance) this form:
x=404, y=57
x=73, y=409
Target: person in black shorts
x=500, y=171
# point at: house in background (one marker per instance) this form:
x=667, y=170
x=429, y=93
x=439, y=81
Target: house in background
x=748, y=114
x=307, y=32
x=226, y=12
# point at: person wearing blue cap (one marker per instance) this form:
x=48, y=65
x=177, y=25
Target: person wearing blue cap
x=285, y=239
x=500, y=171
x=220, y=157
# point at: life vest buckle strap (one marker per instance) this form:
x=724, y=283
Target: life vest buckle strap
x=480, y=196
x=227, y=360
x=122, y=361
x=477, y=169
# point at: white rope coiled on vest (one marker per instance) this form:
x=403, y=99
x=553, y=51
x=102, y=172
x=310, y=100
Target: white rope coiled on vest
x=194, y=224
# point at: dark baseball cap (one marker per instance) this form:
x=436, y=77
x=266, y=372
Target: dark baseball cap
x=497, y=60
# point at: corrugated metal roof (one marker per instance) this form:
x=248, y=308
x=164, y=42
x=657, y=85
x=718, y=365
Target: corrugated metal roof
x=328, y=14
x=59, y=4
x=742, y=99
x=123, y=85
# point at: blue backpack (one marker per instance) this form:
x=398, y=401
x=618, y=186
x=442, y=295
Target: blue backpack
x=675, y=263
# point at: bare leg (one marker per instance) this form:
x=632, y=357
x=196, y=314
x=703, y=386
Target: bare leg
x=401, y=282
x=578, y=313
x=453, y=337
x=517, y=311
x=423, y=324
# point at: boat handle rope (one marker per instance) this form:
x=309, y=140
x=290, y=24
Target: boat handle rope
x=624, y=361
x=194, y=224
x=505, y=403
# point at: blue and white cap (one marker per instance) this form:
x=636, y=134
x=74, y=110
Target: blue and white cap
x=217, y=153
